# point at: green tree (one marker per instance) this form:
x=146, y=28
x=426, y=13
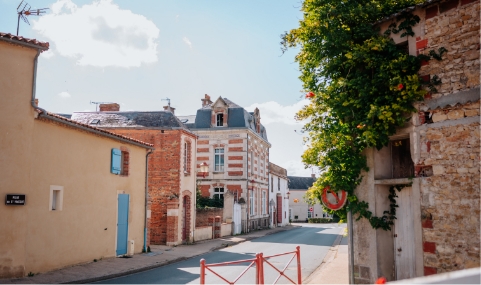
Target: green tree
x=361, y=86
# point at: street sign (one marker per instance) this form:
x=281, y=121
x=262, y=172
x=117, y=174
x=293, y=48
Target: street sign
x=333, y=200
x=15, y=199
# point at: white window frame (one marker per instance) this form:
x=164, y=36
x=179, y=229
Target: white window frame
x=217, y=191
x=218, y=166
x=219, y=119
x=185, y=157
x=252, y=203
x=56, y=198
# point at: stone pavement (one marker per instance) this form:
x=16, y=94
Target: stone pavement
x=161, y=255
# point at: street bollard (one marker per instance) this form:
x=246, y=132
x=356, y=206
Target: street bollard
x=202, y=271
x=299, y=277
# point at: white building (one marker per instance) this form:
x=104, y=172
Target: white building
x=300, y=210
x=278, y=196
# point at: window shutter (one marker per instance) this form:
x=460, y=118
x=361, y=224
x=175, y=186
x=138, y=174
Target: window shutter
x=116, y=163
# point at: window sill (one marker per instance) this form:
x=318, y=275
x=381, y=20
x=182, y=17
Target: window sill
x=393, y=181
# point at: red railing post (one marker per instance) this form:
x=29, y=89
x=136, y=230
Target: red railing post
x=298, y=253
x=257, y=268
x=202, y=271
x=261, y=268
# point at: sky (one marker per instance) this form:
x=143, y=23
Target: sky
x=139, y=53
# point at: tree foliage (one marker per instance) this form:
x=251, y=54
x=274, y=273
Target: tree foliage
x=363, y=87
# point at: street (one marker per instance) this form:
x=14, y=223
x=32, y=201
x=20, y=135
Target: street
x=314, y=241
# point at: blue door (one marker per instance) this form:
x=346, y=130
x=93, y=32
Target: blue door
x=122, y=223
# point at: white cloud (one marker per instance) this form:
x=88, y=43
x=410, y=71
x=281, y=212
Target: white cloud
x=187, y=41
x=99, y=34
x=273, y=112
x=64, y=94
x=47, y=54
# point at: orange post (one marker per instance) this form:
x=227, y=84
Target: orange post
x=257, y=268
x=202, y=271
x=261, y=268
x=299, y=277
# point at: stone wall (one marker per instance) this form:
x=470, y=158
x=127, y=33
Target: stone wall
x=449, y=139
x=453, y=25
x=203, y=215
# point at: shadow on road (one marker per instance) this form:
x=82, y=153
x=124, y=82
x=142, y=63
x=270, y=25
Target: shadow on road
x=303, y=236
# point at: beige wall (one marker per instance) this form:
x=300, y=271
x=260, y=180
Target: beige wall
x=188, y=187
x=37, y=154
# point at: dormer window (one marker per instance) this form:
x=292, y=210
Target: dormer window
x=220, y=120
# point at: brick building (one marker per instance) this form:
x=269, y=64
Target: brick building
x=438, y=219
x=171, y=172
x=234, y=144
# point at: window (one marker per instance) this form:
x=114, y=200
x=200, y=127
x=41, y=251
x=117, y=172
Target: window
x=272, y=184
x=251, y=203
x=252, y=163
x=219, y=193
x=220, y=120
x=264, y=202
x=119, y=164
x=218, y=160
x=278, y=184
x=56, y=198
x=187, y=157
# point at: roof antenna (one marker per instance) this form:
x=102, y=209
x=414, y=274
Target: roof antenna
x=23, y=10
x=98, y=103
x=166, y=99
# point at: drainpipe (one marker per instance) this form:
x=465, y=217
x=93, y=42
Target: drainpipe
x=146, y=196
x=34, y=84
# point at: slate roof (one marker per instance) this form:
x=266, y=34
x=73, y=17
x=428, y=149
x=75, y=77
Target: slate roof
x=24, y=41
x=152, y=119
x=237, y=117
x=300, y=183
x=51, y=116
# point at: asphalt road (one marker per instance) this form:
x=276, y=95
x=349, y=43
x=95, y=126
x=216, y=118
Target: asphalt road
x=314, y=241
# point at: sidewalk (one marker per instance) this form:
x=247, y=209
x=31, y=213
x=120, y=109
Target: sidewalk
x=329, y=271
x=334, y=269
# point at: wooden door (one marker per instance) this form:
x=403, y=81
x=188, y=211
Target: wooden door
x=404, y=236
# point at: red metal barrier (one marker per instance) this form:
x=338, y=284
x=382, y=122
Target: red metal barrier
x=259, y=265
x=297, y=253
x=204, y=267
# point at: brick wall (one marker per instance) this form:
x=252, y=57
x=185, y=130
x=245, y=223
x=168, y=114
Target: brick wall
x=165, y=172
x=203, y=215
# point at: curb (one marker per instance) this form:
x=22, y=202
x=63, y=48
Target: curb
x=133, y=271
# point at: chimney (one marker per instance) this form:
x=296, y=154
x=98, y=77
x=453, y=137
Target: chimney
x=170, y=109
x=313, y=175
x=109, y=107
x=206, y=101
x=36, y=102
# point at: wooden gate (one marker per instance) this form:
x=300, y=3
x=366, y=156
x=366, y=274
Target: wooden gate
x=404, y=253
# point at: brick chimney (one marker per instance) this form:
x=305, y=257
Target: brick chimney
x=36, y=102
x=313, y=175
x=109, y=107
x=206, y=101
x=170, y=109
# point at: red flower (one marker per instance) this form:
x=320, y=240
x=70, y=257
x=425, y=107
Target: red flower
x=400, y=86
x=310, y=95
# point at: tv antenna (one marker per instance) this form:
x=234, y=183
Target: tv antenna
x=24, y=10
x=166, y=99
x=98, y=103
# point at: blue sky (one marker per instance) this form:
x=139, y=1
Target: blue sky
x=136, y=53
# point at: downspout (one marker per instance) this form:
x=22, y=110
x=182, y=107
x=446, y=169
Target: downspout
x=146, y=196
x=34, y=83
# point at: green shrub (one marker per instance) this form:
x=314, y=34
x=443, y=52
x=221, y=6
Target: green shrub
x=323, y=220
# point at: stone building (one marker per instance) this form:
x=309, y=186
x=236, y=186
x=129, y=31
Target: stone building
x=234, y=144
x=68, y=197
x=171, y=177
x=278, y=196
x=438, y=219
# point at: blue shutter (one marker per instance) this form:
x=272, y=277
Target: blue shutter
x=115, y=166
